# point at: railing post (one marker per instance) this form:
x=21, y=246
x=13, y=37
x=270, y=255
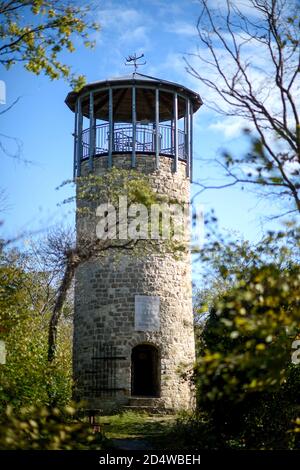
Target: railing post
x=92, y=132
x=187, y=138
x=110, y=131
x=172, y=146
x=75, y=141
x=175, y=114
x=133, y=156
x=79, y=140
x=157, y=141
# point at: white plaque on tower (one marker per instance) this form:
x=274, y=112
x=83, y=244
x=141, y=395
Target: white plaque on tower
x=146, y=313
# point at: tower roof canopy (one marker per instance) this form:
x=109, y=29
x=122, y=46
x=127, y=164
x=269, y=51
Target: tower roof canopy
x=145, y=98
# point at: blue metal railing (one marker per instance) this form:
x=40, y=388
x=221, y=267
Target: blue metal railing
x=144, y=139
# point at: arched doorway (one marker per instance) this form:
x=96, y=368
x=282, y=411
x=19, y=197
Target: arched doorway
x=145, y=371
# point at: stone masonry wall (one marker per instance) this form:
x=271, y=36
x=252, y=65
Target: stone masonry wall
x=105, y=289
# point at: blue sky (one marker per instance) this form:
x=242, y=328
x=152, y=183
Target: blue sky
x=164, y=31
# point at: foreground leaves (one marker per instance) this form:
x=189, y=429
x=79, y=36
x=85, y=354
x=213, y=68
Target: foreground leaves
x=37, y=32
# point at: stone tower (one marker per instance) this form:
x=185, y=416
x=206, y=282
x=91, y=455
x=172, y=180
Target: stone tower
x=133, y=321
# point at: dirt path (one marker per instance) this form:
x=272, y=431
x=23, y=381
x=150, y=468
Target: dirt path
x=132, y=444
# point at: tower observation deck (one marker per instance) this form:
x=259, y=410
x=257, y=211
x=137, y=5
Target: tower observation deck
x=133, y=114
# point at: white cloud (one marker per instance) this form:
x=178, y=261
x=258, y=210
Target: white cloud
x=119, y=17
x=229, y=127
x=120, y=27
x=181, y=28
x=244, y=6
x=140, y=33
x=164, y=8
x=124, y=30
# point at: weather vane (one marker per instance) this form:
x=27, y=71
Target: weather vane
x=133, y=61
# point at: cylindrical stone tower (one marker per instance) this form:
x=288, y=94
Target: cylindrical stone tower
x=133, y=320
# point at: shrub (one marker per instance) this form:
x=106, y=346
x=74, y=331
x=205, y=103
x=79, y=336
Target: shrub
x=41, y=428
x=245, y=380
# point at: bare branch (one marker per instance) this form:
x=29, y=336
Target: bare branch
x=11, y=106
x=228, y=39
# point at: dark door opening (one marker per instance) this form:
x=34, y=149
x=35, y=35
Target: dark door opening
x=144, y=371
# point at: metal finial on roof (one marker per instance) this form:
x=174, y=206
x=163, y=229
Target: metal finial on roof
x=133, y=61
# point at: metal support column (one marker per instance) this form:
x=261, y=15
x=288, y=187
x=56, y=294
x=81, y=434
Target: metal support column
x=133, y=156
x=157, y=135
x=79, y=139
x=188, y=138
x=175, y=114
x=110, y=132
x=191, y=143
x=75, y=141
x=92, y=132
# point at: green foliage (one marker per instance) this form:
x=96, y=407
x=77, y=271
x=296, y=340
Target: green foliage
x=26, y=378
x=41, y=428
x=36, y=32
x=12, y=292
x=194, y=430
x=113, y=184
x=246, y=382
x=249, y=333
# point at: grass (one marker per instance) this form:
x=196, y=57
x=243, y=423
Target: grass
x=133, y=425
